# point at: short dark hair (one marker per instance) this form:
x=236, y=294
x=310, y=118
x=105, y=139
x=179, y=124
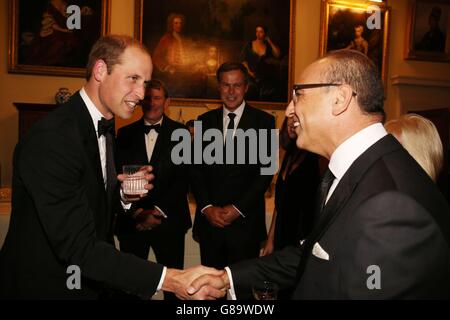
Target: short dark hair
x=231, y=66
x=359, y=72
x=109, y=49
x=190, y=123
x=158, y=85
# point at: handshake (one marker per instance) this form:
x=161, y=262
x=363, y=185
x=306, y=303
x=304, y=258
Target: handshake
x=197, y=283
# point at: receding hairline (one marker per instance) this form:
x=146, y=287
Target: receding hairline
x=130, y=47
x=110, y=49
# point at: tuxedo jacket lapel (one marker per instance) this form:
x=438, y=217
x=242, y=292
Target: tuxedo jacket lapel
x=141, y=147
x=219, y=119
x=90, y=142
x=330, y=212
x=88, y=134
x=342, y=194
x=246, y=120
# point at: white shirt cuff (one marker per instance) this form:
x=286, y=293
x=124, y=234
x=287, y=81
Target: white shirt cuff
x=161, y=281
x=206, y=207
x=231, y=290
x=125, y=204
x=238, y=210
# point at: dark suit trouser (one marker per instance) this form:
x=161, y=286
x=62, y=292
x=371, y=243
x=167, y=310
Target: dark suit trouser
x=222, y=249
x=167, y=244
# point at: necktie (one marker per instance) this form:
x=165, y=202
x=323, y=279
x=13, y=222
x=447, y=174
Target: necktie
x=324, y=187
x=148, y=128
x=230, y=127
x=105, y=126
x=231, y=115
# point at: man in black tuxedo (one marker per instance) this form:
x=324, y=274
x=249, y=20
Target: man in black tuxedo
x=230, y=216
x=383, y=227
x=59, y=243
x=161, y=219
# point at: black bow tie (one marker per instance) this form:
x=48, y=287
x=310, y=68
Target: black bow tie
x=105, y=126
x=148, y=128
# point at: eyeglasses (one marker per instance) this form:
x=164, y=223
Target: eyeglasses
x=297, y=87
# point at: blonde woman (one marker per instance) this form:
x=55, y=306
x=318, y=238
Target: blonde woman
x=420, y=138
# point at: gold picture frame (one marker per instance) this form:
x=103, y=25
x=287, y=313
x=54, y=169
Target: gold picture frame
x=41, y=43
x=361, y=25
x=213, y=34
x=428, y=33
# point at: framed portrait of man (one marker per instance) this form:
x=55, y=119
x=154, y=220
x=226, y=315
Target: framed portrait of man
x=360, y=25
x=189, y=40
x=54, y=37
x=428, y=36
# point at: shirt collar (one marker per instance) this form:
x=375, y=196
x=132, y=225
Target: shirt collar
x=149, y=124
x=93, y=111
x=238, y=111
x=346, y=153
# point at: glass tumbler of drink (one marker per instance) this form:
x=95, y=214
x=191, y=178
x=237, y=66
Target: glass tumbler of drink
x=133, y=185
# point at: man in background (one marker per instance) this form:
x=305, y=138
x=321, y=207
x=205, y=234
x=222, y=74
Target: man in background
x=161, y=219
x=230, y=215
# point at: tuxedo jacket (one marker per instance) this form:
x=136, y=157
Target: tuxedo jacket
x=171, y=181
x=60, y=217
x=239, y=184
x=386, y=225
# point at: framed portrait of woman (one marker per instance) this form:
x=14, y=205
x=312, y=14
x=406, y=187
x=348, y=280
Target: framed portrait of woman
x=54, y=37
x=360, y=25
x=189, y=40
x=428, y=36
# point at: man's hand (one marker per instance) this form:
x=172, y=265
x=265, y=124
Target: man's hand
x=231, y=214
x=267, y=249
x=208, y=281
x=148, y=176
x=215, y=216
x=147, y=219
x=178, y=281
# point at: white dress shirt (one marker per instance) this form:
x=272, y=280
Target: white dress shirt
x=226, y=119
x=150, y=138
x=348, y=151
x=341, y=160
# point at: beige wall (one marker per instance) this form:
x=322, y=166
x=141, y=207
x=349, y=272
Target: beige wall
x=41, y=89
